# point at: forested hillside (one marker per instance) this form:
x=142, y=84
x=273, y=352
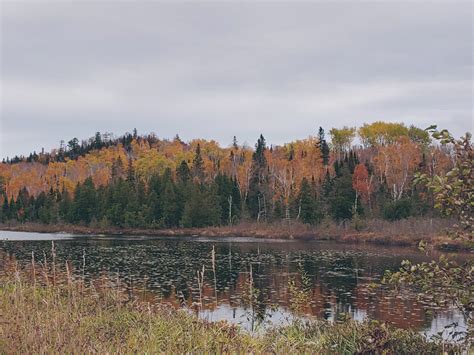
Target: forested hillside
x=143, y=181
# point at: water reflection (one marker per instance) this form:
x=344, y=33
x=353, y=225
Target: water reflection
x=339, y=277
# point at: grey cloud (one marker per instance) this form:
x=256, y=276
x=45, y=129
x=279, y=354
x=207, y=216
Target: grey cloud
x=215, y=70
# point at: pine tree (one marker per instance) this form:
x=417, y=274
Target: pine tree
x=130, y=173
x=65, y=206
x=352, y=161
x=198, y=166
x=155, y=184
x=229, y=198
x=12, y=211
x=169, y=203
x=258, y=195
x=323, y=147
x=97, y=144
x=183, y=172
x=308, y=207
x=278, y=210
x=136, y=210
x=5, y=209
x=342, y=197
x=202, y=209
x=154, y=209
x=47, y=213
x=118, y=195
x=337, y=167
x=235, y=145
x=236, y=200
x=85, y=202
x=22, y=202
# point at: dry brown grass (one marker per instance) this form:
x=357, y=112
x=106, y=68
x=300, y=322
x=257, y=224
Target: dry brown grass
x=406, y=232
x=44, y=308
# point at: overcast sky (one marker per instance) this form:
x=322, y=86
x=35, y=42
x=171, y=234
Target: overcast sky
x=215, y=70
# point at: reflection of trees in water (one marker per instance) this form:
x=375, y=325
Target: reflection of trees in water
x=338, y=278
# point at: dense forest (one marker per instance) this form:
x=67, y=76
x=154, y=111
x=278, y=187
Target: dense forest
x=143, y=181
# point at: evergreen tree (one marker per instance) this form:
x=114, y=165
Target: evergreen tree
x=155, y=184
x=278, y=211
x=258, y=195
x=137, y=206
x=229, y=198
x=85, y=202
x=323, y=146
x=3, y=199
x=65, y=207
x=352, y=161
x=183, y=172
x=40, y=202
x=2, y=184
x=5, y=208
x=236, y=200
x=46, y=213
x=337, y=167
x=202, y=209
x=342, y=197
x=198, y=166
x=399, y=209
x=130, y=172
x=154, y=209
x=74, y=148
x=22, y=202
x=153, y=200
x=131, y=217
x=382, y=199
x=12, y=211
x=118, y=195
x=309, y=209
x=235, y=145
x=97, y=144
x=169, y=203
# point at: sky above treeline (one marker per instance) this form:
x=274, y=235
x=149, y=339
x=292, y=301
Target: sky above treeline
x=214, y=70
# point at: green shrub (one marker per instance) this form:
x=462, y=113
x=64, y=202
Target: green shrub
x=396, y=210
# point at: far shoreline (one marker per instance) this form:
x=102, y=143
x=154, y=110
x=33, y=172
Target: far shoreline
x=263, y=230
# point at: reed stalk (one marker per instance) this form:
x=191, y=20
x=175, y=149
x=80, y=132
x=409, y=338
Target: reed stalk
x=33, y=268
x=213, y=257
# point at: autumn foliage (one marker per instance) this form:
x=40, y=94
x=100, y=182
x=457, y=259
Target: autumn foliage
x=371, y=171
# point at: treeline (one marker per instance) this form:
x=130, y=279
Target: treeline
x=188, y=197
x=74, y=148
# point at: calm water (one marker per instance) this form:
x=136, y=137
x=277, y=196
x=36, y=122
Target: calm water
x=165, y=269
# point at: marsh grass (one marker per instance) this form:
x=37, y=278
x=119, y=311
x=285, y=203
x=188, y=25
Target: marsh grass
x=48, y=308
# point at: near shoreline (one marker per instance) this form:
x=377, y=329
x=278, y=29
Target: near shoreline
x=394, y=233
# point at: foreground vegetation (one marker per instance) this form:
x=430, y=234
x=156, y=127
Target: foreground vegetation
x=445, y=281
x=51, y=312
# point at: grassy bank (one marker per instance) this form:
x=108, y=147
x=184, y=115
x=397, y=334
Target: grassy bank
x=45, y=311
x=407, y=232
